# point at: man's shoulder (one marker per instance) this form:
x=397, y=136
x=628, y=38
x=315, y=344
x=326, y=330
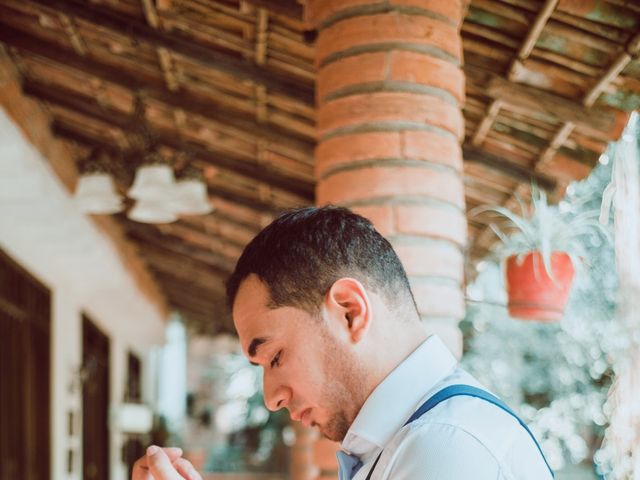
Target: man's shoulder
x=473, y=424
x=490, y=425
x=440, y=451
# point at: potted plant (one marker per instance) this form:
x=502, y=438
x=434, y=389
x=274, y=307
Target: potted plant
x=543, y=248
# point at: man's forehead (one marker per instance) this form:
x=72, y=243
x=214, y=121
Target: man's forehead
x=252, y=296
x=250, y=310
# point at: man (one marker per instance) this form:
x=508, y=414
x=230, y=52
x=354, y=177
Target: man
x=322, y=303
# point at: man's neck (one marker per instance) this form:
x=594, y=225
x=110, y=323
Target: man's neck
x=392, y=348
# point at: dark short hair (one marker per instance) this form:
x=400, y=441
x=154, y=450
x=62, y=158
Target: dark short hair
x=303, y=252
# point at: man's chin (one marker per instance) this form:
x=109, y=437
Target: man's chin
x=330, y=434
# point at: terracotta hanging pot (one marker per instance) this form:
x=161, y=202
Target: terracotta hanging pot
x=533, y=295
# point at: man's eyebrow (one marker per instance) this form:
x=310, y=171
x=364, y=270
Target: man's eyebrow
x=253, y=347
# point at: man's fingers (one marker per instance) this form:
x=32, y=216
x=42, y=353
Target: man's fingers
x=172, y=452
x=185, y=469
x=141, y=470
x=160, y=465
x=141, y=464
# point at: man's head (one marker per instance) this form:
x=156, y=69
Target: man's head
x=305, y=293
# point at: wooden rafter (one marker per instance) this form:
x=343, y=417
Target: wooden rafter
x=164, y=55
x=556, y=106
x=223, y=192
x=178, y=43
x=71, y=31
x=589, y=99
x=229, y=249
x=154, y=88
x=525, y=50
x=517, y=172
x=532, y=37
x=85, y=105
x=181, y=251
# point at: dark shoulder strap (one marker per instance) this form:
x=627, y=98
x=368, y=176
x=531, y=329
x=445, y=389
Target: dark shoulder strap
x=468, y=391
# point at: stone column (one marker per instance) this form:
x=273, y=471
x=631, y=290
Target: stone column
x=389, y=92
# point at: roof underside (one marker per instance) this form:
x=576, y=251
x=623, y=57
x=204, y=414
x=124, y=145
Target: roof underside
x=232, y=83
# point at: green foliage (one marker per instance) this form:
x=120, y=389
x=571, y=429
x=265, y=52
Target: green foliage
x=556, y=376
x=543, y=228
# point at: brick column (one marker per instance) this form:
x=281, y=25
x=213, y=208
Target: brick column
x=389, y=93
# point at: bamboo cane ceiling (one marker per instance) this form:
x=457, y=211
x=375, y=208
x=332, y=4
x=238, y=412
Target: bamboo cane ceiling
x=232, y=83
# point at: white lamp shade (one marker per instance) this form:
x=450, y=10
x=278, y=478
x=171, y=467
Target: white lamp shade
x=95, y=194
x=191, y=198
x=150, y=211
x=153, y=182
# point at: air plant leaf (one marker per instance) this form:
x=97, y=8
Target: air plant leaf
x=544, y=228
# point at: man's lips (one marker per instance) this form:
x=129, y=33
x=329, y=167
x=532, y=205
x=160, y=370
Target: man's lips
x=303, y=417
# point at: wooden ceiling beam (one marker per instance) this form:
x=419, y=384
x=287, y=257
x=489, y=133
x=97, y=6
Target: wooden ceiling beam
x=204, y=322
x=220, y=227
x=512, y=170
x=204, y=293
x=288, y=8
x=149, y=237
x=72, y=134
x=154, y=88
x=523, y=53
x=252, y=218
x=202, y=239
x=219, y=214
x=261, y=207
x=192, y=273
x=194, y=296
x=85, y=105
x=167, y=261
x=181, y=44
x=539, y=101
x=214, y=306
x=199, y=299
x=562, y=108
x=214, y=314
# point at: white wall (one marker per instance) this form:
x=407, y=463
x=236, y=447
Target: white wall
x=43, y=231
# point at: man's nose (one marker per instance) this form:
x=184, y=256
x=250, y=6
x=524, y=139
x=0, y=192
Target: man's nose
x=276, y=395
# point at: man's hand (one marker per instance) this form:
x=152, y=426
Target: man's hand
x=164, y=464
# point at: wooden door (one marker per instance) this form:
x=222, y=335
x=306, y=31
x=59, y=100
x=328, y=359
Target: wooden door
x=95, y=402
x=25, y=398
x=133, y=446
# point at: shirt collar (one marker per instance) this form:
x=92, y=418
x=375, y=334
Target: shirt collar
x=395, y=399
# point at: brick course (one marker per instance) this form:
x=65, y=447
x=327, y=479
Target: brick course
x=379, y=183
x=391, y=69
x=363, y=148
x=390, y=28
x=358, y=110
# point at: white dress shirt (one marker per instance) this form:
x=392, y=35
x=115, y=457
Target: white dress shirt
x=461, y=438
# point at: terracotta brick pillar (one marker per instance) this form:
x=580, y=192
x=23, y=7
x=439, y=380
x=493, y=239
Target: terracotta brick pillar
x=389, y=93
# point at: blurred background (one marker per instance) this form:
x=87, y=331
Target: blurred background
x=143, y=143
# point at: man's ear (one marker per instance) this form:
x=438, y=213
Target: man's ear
x=349, y=302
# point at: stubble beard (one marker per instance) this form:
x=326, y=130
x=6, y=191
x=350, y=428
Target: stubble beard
x=343, y=390
x=343, y=394
x=336, y=427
